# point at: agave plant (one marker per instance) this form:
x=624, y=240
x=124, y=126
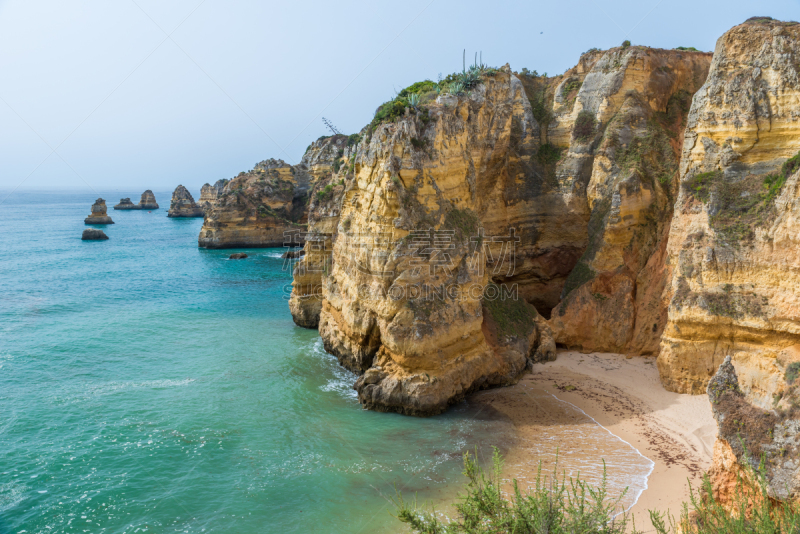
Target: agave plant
x=456, y=88
x=413, y=100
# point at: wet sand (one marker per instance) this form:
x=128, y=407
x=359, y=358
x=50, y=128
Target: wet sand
x=551, y=408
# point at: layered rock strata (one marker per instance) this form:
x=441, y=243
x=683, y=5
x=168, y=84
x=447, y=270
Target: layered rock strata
x=210, y=193
x=268, y=205
x=426, y=226
x=99, y=214
x=148, y=201
x=733, y=247
x=628, y=122
x=183, y=205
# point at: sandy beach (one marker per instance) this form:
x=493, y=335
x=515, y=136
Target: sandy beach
x=673, y=433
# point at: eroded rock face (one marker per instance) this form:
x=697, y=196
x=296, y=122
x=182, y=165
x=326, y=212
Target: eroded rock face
x=733, y=246
x=460, y=176
x=268, y=205
x=305, y=302
x=210, y=193
x=148, y=201
x=99, y=214
x=183, y=205
x=748, y=434
x=630, y=113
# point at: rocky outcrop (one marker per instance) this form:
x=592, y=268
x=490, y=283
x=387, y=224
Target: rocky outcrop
x=210, y=193
x=99, y=214
x=237, y=256
x=268, y=205
x=147, y=202
x=419, y=292
x=305, y=302
x=628, y=122
x=183, y=205
x=750, y=436
x=733, y=247
x=93, y=234
x=126, y=204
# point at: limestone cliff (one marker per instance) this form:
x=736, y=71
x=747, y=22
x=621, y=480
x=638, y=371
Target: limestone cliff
x=99, y=214
x=305, y=302
x=447, y=208
x=749, y=435
x=733, y=246
x=268, y=205
x=183, y=205
x=126, y=204
x=210, y=193
x=628, y=121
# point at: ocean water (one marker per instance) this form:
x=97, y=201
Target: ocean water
x=147, y=385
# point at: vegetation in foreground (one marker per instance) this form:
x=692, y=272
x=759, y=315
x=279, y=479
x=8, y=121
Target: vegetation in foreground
x=571, y=506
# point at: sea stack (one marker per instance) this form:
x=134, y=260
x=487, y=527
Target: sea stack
x=99, y=214
x=148, y=201
x=126, y=204
x=183, y=204
x=93, y=234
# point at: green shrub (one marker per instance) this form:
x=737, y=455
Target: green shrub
x=584, y=126
x=626, y=44
x=323, y=193
x=572, y=506
x=548, y=154
x=687, y=48
x=337, y=164
x=792, y=372
x=418, y=143
x=553, y=506
x=353, y=139
x=571, y=85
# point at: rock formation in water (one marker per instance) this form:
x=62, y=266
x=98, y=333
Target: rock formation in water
x=147, y=202
x=99, y=214
x=210, y=193
x=268, y=205
x=237, y=256
x=183, y=205
x=91, y=234
x=126, y=204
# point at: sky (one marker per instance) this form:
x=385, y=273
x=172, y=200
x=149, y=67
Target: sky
x=148, y=94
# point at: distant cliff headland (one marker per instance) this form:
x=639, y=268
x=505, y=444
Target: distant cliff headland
x=644, y=202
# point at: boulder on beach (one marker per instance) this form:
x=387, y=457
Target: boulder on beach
x=238, y=256
x=99, y=214
x=93, y=234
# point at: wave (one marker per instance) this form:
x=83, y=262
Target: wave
x=11, y=494
x=642, y=479
x=342, y=381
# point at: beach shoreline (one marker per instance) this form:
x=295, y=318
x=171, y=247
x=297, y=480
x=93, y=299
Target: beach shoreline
x=624, y=396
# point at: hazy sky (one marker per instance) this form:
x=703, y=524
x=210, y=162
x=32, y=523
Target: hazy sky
x=135, y=94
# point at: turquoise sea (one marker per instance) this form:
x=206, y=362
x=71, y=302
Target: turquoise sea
x=147, y=385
